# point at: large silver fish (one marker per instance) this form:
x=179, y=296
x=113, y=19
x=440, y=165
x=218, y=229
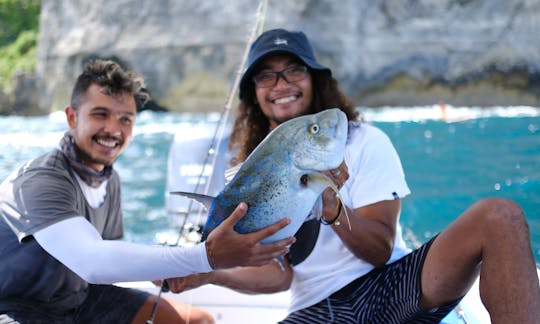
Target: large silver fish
x=281, y=177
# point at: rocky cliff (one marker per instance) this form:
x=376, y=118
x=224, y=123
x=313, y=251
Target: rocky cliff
x=383, y=52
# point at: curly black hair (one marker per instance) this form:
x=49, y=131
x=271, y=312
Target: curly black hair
x=115, y=80
x=251, y=126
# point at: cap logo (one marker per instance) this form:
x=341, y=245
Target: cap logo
x=280, y=41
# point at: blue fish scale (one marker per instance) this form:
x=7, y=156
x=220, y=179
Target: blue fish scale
x=269, y=181
x=259, y=191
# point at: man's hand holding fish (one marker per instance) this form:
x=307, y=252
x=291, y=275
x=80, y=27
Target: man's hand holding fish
x=224, y=238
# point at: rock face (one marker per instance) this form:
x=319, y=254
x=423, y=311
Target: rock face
x=383, y=52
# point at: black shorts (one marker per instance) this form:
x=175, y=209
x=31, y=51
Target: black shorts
x=104, y=304
x=386, y=295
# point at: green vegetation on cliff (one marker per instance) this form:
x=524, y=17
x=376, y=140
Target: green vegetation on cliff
x=19, y=25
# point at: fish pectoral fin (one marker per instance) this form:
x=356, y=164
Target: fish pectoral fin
x=231, y=172
x=319, y=176
x=316, y=176
x=346, y=213
x=205, y=200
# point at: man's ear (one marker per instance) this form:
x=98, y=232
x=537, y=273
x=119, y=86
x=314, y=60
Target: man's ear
x=71, y=116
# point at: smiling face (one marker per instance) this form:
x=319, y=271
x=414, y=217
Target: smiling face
x=102, y=126
x=284, y=100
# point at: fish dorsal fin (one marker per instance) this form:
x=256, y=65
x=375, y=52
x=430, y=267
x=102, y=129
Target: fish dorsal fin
x=231, y=172
x=205, y=200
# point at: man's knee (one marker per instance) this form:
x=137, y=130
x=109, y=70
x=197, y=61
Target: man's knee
x=503, y=213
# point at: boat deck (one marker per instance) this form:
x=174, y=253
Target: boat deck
x=229, y=306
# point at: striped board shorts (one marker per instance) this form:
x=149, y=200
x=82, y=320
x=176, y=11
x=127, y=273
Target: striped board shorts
x=386, y=295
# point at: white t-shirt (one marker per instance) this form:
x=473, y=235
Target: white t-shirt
x=376, y=174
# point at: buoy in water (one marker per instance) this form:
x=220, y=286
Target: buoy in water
x=442, y=106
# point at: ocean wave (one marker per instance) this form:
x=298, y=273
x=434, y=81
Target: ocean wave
x=46, y=131
x=444, y=112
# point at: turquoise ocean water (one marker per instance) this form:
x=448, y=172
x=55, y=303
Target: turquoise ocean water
x=449, y=164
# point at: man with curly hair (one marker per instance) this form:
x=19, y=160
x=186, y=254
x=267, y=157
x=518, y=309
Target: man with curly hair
x=365, y=273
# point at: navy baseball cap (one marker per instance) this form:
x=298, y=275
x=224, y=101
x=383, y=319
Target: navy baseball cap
x=279, y=41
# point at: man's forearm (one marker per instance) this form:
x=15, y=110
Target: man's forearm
x=266, y=279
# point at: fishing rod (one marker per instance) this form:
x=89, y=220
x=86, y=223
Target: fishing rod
x=214, y=149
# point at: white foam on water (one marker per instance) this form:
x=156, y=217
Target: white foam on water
x=49, y=129
x=444, y=112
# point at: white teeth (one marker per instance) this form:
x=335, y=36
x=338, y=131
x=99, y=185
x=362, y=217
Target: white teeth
x=106, y=143
x=284, y=100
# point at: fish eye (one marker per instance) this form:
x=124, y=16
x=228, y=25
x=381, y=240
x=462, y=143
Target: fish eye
x=314, y=129
x=304, y=180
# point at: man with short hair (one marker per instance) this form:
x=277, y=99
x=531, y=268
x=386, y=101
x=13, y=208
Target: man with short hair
x=61, y=215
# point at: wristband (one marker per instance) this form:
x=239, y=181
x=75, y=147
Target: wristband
x=333, y=220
